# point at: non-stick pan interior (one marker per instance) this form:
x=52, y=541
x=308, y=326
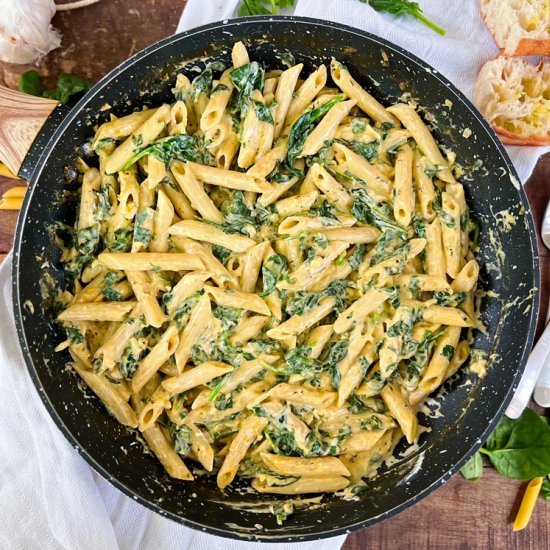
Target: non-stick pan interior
x=467, y=407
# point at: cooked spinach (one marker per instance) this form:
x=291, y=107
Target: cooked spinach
x=122, y=239
x=223, y=403
x=356, y=257
x=304, y=126
x=228, y=316
x=74, y=335
x=358, y=126
x=454, y=300
x=356, y=405
x=367, y=150
x=178, y=147
x=366, y=210
x=448, y=352
x=221, y=253
x=303, y=302
x=281, y=510
x=110, y=279
x=143, y=234
x=274, y=269
x=88, y=239
x=103, y=203
x=182, y=438
x=263, y=112
x=246, y=79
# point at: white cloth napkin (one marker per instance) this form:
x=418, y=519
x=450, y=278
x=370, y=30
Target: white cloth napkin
x=458, y=55
x=51, y=499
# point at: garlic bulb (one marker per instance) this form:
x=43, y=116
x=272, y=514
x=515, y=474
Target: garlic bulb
x=26, y=33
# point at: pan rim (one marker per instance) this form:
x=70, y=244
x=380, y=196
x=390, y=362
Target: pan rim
x=18, y=311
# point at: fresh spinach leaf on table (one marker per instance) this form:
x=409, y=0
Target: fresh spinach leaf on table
x=68, y=85
x=519, y=449
x=403, y=7
x=473, y=469
x=263, y=7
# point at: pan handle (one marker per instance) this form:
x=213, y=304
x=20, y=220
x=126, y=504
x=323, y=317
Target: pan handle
x=21, y=118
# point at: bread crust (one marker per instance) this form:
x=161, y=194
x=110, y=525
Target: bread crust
x=511, y=139
x=526, y=46
x=533, y=46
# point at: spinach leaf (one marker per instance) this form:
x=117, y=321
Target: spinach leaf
x=304, y=126
x=446, y=299
x=88, y=239
x=282, y=441
x=263, y=112
x=74, y=335
x=356, y=405
x=326, y=210
x=221, y=253
x=68, y=85
x=520, y=448
x=403, y=7
x=129, y=360
x=473, y=469
x=448, y=352
x=122, y=240
x=303, y=302
x=338, y=290
x=103, y=203
x=367, y=210
x=223, y=403
x=228, y=316
x=142, y=234
x=545, y=489
x=367, y=150
x=358, y=126
x=110, y=279
x=201, y=83
x=31, y=83
x=238, y=215
x=282, y=173
x=188, y=304
x=281, y=510
x=181, y=437
x=260, y=7
x=299, y=362
x=273, y=270
x=356, y=257
x=179, y=147
x=336, y=354
x=246, y=79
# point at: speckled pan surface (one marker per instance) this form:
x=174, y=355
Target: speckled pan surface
x=469, y=407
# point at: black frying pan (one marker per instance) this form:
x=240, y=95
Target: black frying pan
x=470, y=407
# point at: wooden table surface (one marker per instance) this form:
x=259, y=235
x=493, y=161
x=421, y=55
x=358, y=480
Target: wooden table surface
x=460, y=514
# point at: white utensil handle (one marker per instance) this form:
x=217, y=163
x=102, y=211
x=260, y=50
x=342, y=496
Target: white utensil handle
x=530, y=375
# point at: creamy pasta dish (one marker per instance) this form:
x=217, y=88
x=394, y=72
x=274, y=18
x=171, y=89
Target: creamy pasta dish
x=269, y=275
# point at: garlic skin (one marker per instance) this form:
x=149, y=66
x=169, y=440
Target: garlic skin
x=26, y=34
